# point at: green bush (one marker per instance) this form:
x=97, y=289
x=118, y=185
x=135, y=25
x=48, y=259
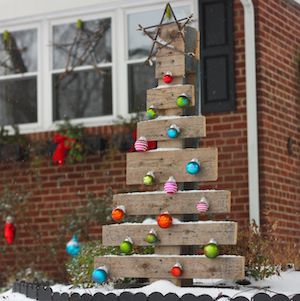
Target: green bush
x=80, y=268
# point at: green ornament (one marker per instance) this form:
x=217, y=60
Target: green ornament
x=79, y=24
x=182, y=101
x=211, y=250
x=6, y=36
x=126, y=246
x=149, y=178
x=151, y=113
x=151, y=237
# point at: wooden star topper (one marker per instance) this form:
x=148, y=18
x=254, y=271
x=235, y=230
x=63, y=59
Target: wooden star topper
x=155, y=36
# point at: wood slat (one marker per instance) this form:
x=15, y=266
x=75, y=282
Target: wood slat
x=158, y=266
x=165, y=97
x=183, y=202
x=190, y=127
x=185, y=234
x=166, y=163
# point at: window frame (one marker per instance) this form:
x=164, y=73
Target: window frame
x=118, y=11
x=37, y=74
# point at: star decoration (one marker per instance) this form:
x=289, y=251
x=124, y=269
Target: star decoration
x=155, y=36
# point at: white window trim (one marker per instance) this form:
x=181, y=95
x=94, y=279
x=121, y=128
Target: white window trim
x=118, y=11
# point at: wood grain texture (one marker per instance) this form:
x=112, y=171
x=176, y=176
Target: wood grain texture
x=190, y=127
x=159, y=266
x=185, y=234
x=165, y=97
x=182, y=202
x=166, y=163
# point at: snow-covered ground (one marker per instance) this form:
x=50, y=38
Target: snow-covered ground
x=288, y=283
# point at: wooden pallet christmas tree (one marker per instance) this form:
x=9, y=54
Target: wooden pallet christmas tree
x=169, y=163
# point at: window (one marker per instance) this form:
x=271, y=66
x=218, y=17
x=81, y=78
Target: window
x=140, y=76
x=86, y=63
x=18, y=77
x=82, y=69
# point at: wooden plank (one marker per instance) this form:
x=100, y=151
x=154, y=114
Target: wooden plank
x=164, y=97
x=190, y=127
x=166, y=163
x=182, y=202
x=159, y=266
x=185, y=234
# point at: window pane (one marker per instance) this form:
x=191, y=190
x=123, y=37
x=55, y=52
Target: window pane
x=18, y=52
x=76, y=47
x=82, y=94
x=18, y=101
x=140, y=78
x=139, y=44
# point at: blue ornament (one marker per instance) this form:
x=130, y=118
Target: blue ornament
x=73, y=246
x=100, y=275
x=173, y=131
x=193, y=167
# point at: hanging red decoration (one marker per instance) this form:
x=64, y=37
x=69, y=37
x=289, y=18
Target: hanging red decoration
x=9, y=230
x=63, y=145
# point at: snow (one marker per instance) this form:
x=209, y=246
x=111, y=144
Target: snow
x=287, y=283
x=179, y=191
x=150, y=221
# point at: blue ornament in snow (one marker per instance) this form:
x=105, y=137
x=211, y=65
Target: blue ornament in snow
x=173, y=131
x=100, y=275
x=193, y=167
x=73, y=246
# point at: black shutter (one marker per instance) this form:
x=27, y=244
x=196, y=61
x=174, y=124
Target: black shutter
x=217, y=57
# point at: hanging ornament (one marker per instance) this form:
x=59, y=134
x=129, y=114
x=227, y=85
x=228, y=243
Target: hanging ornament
x=173, y=131
x=118, y=213
x=63, y=145
x=151, y=113
x=193, y=167
x=177, y=270
x=149, y=178
x=211, y=250
x=182, y=100
x=167, y=77
x=73, y=246
x=9, y=230
x=126, y=246
x=164, y=220
x=170, y=186
x=100, y=275
x=151, y=237
x=202, y=206
x=141, y=145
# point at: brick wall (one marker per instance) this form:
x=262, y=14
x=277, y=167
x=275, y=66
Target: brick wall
x=56, y=191
x=278, y=78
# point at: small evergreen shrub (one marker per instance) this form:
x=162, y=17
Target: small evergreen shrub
x=80, y=268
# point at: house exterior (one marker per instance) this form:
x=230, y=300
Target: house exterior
x=250, y=95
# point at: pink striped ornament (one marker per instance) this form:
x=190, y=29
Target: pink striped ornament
x=202, y=206
x=141, y=145
x=170, y=186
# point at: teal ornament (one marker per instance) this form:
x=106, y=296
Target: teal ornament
x=100, y=275
x=182, y=101
x=173, y=131
x=193, y=167
x=151, y=113
x=211, y=250
x=73, y=246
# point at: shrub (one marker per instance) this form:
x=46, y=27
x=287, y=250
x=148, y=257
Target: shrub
x=80, y=268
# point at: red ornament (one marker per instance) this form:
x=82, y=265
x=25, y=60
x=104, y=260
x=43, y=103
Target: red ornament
x=177, y=270
x=164, y=220
x=167, y=77
x=118, y=213
x=9, y=230
x=63, y=145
